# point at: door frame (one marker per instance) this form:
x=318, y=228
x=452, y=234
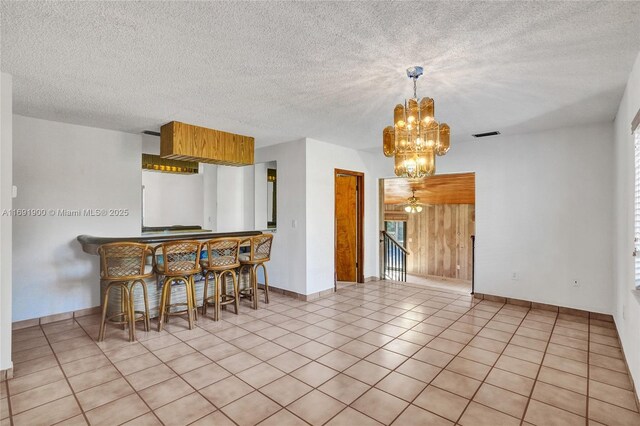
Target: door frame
x=359, y=227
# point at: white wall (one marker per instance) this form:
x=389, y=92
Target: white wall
x=231, y=199
x=248, y=201
x=6, y=141
x=260, y=200
x=543, y=211
x=627, y=305
x=322, y=159
x=173, y=199
x=287, y=269
x=303, y=256
x=64, y=166
x=210, y=196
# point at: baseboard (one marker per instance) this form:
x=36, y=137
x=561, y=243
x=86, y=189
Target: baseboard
x=54, y=318
x=6, y=374
x=544, y=306
x=299, y=296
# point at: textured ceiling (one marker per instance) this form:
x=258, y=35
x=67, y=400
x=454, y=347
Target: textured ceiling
x=330, y=71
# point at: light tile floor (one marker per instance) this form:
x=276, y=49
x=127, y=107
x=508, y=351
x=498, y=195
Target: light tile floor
x=368, y=354
x=441, y=283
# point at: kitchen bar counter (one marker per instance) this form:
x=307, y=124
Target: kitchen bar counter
x=91, y=243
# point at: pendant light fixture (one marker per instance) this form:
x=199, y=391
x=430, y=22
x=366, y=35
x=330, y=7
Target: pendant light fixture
x=415, y=137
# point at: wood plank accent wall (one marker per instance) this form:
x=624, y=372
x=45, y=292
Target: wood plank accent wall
x=439, y=239
x=181, y=141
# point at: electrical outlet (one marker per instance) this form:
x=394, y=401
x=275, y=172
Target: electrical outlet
x=458, y=267
x=575, y=283
x=514, y=276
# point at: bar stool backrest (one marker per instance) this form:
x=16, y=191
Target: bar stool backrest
x=178, y=258
x=221, y=253
x=261, y=247
x=123, y=261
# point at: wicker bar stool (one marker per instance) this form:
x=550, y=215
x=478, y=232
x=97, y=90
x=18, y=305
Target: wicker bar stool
x=180, y=263
x=220, y=260
x=259, y=254
x=122, y=266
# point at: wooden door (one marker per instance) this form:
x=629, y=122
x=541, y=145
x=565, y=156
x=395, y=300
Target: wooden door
x=346, y=227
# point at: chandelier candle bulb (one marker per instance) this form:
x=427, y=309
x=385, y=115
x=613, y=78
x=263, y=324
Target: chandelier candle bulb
x=416, y=137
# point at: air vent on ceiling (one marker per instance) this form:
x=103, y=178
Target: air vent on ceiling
x=484, y=135
x=151, y=133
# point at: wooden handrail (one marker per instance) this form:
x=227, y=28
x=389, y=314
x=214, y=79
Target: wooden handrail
x=395, y=242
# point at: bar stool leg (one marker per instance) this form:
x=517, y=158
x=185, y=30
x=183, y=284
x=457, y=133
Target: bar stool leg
x=168, y=317
x=123, y=307
x=192, y=287
x=266, y=281
x=195, y=297
x=254, y=286
x=216, y=297
x=189, y=294
x=131, y=315
x=223, y=289
x=166, y=292
x=236, y=294
x=105, y=304
x=204, y=293
x=146, y=305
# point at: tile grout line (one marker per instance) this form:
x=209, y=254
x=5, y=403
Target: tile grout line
x=180, y=375
x=198, y=351
x=451, y=360
x=423, y=346
x=389, y=303
x=396, y=337
x=362, y=359
x=121, y=375
x=343, y=371
x=535, y=382
x=493, y=366
x=66, y=379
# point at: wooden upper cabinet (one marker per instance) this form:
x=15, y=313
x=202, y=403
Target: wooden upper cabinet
x=183, y=141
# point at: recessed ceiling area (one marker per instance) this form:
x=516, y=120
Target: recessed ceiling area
x=459, y=188
x=332, y=71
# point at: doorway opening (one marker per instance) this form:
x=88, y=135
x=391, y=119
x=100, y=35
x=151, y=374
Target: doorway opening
x=349, y=226
x=435, y=234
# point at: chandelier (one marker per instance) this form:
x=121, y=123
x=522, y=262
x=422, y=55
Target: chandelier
x=412, y=204
x=416, y=137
